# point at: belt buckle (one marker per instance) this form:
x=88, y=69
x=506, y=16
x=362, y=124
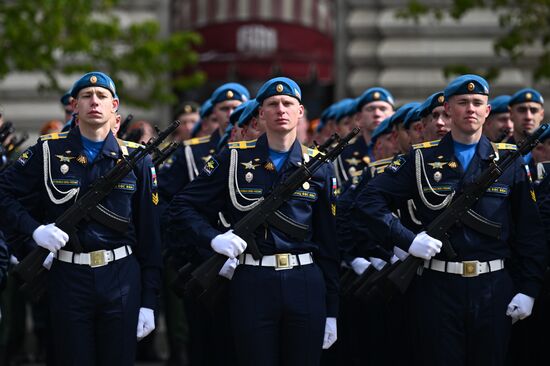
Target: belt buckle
x=98, y=258
x=282, y=261
x=469, y=268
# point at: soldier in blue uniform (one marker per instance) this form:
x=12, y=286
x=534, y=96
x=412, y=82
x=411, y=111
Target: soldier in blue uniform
x=185, y=164
x=462, y=311
x=499, y=127
x=250, y=124
x=282, y=312
x=98, y=298
x=435, y=121
x=526, y=113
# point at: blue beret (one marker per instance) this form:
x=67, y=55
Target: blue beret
x=383, y=128
x=66, y=98
x=234, y=117
x=343, y=108
x=279, y=86
x=526, y=95
x=401, y=113
x=467, y=84
x=327, y=115
x=413, y=115
x=94, y=78
x=230, y=91
x=435, y=100
x=206, y=109
x=376, y=94
x=500, y=104
x=251, y=110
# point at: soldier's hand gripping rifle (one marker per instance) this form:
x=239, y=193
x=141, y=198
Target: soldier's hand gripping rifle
x=205, y=278
x=401, y=277
x=30, y=269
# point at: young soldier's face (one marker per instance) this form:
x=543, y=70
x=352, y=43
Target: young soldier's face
x=223, y=110
x=498, y=126
x=437, y=124
x=95, y=106
x=526, y=116
x=373, y=113
x=468, y=112
x=281, y=113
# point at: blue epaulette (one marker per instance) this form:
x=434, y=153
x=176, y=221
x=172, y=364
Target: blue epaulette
x=427, y=144
x=54, y=136
x=197, y=141
x=242, y=144
x=505, y=146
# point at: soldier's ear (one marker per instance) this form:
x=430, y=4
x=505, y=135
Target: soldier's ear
x=116, y=103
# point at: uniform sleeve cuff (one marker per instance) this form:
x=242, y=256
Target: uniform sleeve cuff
x=332, y=306
x=530, y=289
x=29, y=225
x=149, y=298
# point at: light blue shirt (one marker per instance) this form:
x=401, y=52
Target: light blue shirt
x=464, y=153
x=278, y=158
x=91, y=148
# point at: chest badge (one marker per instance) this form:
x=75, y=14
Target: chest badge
x=64, y=159
x=438, y=176
x=82, y=159
x=206, y=158
x=305, y=186
x=248, y=177
x=250, y=165
x=453, y=165
x=269, y=166
x=64, y=168
x=438, y=164
x=353, y=161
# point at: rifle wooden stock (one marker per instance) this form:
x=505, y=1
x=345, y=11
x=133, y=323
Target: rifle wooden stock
x=30, y=269
x=403, y=274
x=204, y=278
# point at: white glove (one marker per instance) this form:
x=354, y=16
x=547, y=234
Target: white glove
x=14, y=260
x=359, y=265
x=331, y=334
x=228, y=244
x=50, y=237
x=377, y=263
x=229, y=268
x=520, y=307
x=146, y=323
x=424, y=246
x=48, y=261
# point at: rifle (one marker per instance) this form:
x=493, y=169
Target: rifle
x=401, y=277
x=30, y=269
x=163, y=154
x=5, y=130
x=124, y=126
x=205, y=279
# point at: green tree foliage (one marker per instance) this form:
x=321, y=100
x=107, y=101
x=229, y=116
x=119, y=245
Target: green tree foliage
x=56, y=37
x=526, y=24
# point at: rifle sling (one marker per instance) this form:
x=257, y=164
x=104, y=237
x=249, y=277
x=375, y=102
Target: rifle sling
x=287, y=225
x=110, y=219
x=482, y=225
